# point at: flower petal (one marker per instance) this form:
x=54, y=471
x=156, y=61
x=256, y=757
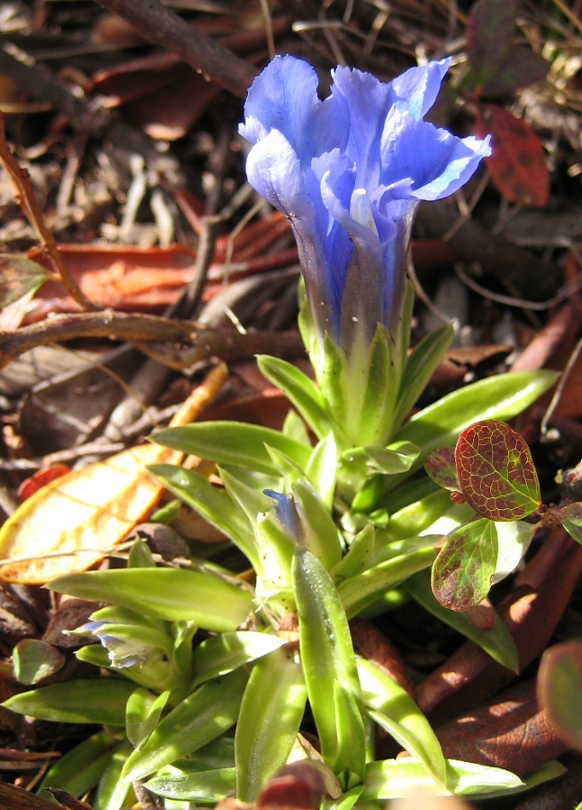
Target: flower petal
x=420, y=86
x=284, y=98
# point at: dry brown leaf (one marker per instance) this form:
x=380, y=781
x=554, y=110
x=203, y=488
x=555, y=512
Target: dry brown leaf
x=70, y=524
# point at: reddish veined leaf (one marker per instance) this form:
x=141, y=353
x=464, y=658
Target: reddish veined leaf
x=461, y=574
x=518, y=163
x=496, y=472
x=440, y=466
x=571, y=519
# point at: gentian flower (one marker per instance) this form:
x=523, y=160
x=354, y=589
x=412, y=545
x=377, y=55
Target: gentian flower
x=349, y=173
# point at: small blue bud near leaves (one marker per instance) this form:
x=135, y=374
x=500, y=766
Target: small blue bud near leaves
x=349, y=172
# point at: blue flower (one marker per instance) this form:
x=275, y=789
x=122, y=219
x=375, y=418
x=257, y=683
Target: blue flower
x=349, y=172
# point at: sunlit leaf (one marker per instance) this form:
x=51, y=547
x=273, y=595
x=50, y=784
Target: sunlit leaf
x=560, y=690
x=19, y=277
x=462, y=572
x=496, y=471
x=440, y=465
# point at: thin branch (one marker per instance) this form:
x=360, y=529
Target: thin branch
x=178, y=344
x=24, y=196
x=164, y=26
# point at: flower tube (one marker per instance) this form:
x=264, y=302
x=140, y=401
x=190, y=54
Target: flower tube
x=349, y=172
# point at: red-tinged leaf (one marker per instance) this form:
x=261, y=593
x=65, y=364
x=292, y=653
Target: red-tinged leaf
x=521, y=67
x=461, y=574
x=40, y=479
x=560, y=690
x=489, y=32
x=518, y=163
x=298, y=785
x=496, y=472
x=571, y=519
x=440, y=466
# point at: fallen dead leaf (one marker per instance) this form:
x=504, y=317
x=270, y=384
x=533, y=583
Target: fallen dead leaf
x=70, y=524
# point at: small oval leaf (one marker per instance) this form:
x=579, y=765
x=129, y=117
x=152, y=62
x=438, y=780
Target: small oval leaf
x=461, y=574
x=440, y=466
x=518, y=163
x=496, y=472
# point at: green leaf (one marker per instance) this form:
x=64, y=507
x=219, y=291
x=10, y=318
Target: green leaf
x=221, y=654
x=164, y=593
x=359, y=554
x=294, y=428
x=328, y=662
x=203, y=787
x=322, y=469
x=396, y=458
x=299, y=390
x=440, y=466
x=419, y=368
x=571, y=519
x=234, y=443
x=560, y=690
x=462, y=572
x=360, y=591
x=394, y=778
x=215, y=505
x=321, y=535
x=379, y=389
x=397, y=713
x=112, y=792
x=496, y=472
x=19, y=277
x=81, y=767
x=144, y=709
x=34, y=660
x=513, y=539
x=271, y=712
x=92, y=701
x=496, y=641
x=201, y=717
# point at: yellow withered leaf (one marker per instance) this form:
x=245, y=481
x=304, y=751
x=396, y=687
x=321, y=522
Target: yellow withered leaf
x=70, y=524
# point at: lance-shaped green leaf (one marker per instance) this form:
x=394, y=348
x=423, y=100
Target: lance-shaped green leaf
x=440, y=465
x=328, y=660
x=299, y=390
x=356, y=593
x=322, y=468
x=320, y=533
x=144, y=709
x=164, y=593
x=462, y=572
x=394, y=778
x=560, y=690
x=359, y=554
x=34, y=660
x=112, y=791
x=234, y=443
x=496, y=472
x=496, y=641
x=271, y=712
x=81, y=767
x=295, y=428
x=215, y=505
x=19, y=277
x=202, y=787
x=395, y=711
x=201, y=717
x=419, y=367
x=92, y=701
x=222, y=653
